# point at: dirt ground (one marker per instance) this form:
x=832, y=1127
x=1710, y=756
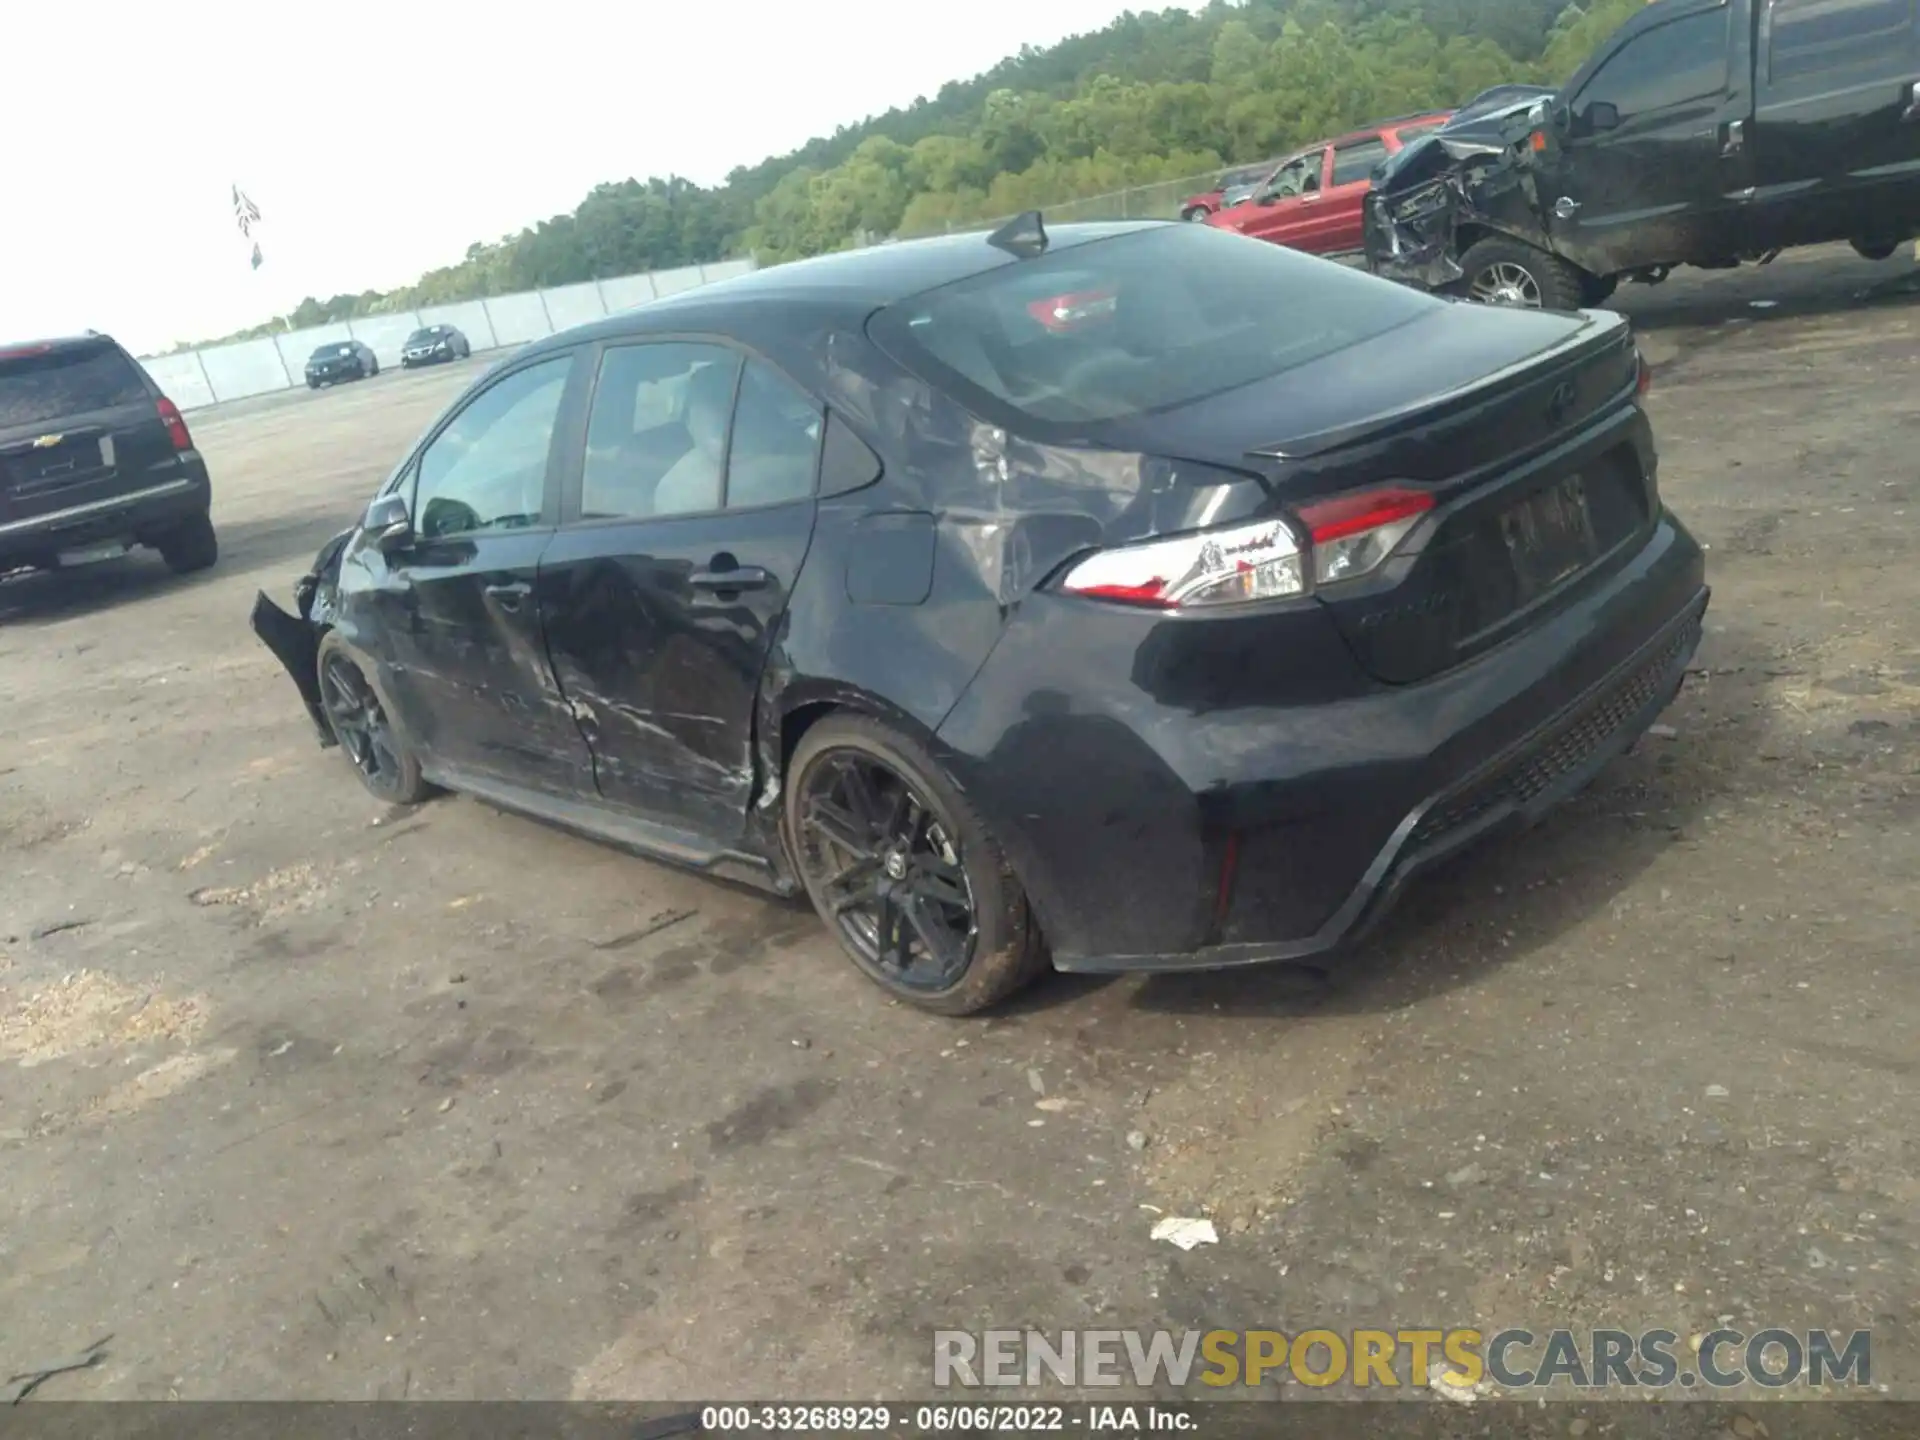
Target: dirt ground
x=299, y=1098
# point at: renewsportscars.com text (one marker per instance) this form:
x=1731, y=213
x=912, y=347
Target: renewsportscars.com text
x=1512, y=1359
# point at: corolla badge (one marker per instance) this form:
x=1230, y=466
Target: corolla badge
x=1560, y=402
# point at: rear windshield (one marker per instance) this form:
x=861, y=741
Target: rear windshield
x=1135, y=324
x=37, y=385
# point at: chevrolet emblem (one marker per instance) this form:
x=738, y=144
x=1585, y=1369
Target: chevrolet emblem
x=47, y=442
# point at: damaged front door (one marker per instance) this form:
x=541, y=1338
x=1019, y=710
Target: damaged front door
x=688, y=518
x=468, y=668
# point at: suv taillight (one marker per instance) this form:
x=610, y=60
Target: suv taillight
x=1338, y=539
x=176, y=427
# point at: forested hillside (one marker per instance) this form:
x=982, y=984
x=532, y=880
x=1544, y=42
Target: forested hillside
x=1153, y=96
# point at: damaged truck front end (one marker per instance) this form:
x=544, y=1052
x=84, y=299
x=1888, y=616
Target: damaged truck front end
x=295, y=639
x=1448, y=190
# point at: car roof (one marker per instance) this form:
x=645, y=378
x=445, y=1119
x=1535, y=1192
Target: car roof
x=851, y=283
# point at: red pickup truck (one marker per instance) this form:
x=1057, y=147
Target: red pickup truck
x=1315, y=200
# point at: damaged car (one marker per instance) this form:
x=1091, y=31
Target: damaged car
x=1175, y=637
x=1703, y=132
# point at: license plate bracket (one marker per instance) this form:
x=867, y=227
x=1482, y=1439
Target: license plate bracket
x=1549, y=536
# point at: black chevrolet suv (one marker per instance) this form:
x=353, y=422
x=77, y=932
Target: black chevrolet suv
x=94, y=459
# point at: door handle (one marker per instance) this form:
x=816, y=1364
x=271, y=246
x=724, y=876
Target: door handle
x=508, y=597
x=1912, y=112
x=1733, y=137
x=734, y=577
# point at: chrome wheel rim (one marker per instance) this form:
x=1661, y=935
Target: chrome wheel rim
x=1506, y=283
x=360, y=723
x=883, y=866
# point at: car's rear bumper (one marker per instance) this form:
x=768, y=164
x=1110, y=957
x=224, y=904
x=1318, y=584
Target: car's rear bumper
x=137, y=514
x=1163, y=838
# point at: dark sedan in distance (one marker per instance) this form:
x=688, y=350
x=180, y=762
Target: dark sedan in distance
x=1177, y=637
x=434, y=345
x=340, y=360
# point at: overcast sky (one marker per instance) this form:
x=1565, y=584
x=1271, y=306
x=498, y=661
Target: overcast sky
x=380, y=139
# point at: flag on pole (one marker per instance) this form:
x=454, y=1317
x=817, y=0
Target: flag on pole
x=245, y=212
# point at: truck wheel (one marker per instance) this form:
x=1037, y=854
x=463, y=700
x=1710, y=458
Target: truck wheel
x=189, y=546
x=1598, y=289
x=1874, y=249
x=1506, y=272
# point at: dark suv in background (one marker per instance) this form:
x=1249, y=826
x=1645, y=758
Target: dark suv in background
x=94, y=459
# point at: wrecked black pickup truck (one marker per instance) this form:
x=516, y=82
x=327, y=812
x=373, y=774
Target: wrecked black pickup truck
x=1702, y=132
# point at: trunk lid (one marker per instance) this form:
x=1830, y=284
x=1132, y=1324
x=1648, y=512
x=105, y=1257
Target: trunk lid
x=78, y=423
x=1523, y=430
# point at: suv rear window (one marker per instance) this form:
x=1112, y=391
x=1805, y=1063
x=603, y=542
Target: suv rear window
x=47, y=383
x=1134, y=324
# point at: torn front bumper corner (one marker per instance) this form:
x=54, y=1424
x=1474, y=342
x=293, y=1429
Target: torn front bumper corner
x=1411, y=238
x=295, y=643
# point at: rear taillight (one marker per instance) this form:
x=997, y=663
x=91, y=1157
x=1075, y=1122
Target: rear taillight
x=176, y=427
x=1338, y=539
x=1353, y=534
x=1644, y=381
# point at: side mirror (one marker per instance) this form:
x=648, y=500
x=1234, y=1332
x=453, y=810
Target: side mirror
x=1602, y=115
x=387, y=524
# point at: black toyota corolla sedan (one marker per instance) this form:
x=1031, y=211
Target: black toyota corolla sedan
x=1176, y=633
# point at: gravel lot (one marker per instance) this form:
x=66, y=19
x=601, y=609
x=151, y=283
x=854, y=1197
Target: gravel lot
x=303, y=1099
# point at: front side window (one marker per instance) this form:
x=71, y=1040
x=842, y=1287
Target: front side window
x=1683, y=60
x=1355, y=160
x=1297, y=176
x=487, y=470
x=1187, y=311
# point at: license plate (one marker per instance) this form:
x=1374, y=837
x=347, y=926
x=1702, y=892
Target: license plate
x=91, y=554
x=1549, y=536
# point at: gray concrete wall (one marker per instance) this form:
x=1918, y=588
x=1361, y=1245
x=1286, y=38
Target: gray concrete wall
x=195, y=379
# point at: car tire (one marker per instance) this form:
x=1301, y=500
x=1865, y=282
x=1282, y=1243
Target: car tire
x=1498, y=271
x=1874, y=249
x=189, y=546
x=376, y=367
x=1195, y=212
x=388, y=769
x=862, y=793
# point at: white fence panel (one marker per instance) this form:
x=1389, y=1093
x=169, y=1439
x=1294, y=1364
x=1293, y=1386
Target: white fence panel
x=726, y=269
x=626, y=291
x=386, y=334
x=518, y=318
x=571, y=305
x=181, y=379
x=672, y=282
x=246, y=367
x=469, y=317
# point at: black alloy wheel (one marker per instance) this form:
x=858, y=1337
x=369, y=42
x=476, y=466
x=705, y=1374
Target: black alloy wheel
x=888, y=871
x=382, y=760
x=904, y=872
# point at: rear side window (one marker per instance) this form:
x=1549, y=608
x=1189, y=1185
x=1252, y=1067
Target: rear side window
x=1355, y=160
x=1814, y=35
x=46, y=384
x=1135, y=324
x=1683, y=60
